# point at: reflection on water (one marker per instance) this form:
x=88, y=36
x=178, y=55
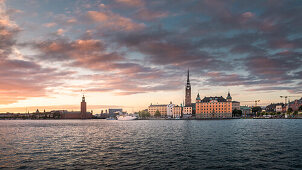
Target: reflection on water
x=154, y=144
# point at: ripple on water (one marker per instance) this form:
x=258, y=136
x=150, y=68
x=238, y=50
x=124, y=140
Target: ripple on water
x=101, y=144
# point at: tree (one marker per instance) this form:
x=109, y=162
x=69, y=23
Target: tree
x=56, y=115
x=263, y=113
x=300, y=108
x=144, y=114
x=236, y=113
x=157, y=114
x=295, y=113
x=289, y=111
x=256, y=110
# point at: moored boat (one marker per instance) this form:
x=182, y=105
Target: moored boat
x=126, y=117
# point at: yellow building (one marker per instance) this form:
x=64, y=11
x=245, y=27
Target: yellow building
x=161, y=108
x=187, y=111
x=214, y=107
x=177, y=111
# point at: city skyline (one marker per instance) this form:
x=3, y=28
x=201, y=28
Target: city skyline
x=130, y=53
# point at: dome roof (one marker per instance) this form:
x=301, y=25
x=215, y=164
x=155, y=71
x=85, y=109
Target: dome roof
x=229, y=96
x=198, y=97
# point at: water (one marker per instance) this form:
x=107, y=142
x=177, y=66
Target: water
x=154, y=144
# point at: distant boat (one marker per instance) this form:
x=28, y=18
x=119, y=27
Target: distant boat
x=126, y=117
x=110, y=118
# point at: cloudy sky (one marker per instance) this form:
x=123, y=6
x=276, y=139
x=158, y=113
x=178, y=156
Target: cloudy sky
x=130, y=53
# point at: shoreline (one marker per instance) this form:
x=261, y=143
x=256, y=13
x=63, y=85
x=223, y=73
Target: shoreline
x=161, y=119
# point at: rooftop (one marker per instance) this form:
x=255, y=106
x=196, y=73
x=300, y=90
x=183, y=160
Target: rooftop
x=208, y=99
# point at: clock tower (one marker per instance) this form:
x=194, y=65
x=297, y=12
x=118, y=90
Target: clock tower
x=188, y=91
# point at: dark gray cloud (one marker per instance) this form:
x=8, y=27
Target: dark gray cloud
x=146, y=45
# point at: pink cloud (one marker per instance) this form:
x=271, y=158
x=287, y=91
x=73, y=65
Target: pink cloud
x=248, y=15
x=60, y=32
x=114, y=21
x=148, y=15
x=132, y=3
x=50, y=24
x=71, y=21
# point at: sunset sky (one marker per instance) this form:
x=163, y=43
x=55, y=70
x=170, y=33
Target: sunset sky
x=130, y=53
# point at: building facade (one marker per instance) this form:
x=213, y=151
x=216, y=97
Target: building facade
x=295, y=104
x=246, y=111
x=214, y=107
x=170, y=109
x=187, y=112
x=235, y=105
x=177, y=112
x=279, y=108
x=274, y=107
x=161, y=108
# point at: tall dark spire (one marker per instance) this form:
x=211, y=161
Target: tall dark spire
x=188, y=77
x=188, y=91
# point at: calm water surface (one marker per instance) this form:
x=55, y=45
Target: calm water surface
x=154, y=144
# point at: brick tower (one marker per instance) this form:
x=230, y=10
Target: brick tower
x=83, y=108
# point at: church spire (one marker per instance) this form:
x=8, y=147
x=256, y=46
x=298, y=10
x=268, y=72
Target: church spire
x=188, y=91
x=188, y=77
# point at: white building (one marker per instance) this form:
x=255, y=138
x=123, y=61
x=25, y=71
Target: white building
x=170, y=110
x=235, y=105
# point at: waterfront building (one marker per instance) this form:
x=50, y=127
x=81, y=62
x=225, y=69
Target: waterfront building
x=187, y=111
x=295, y=104
x=284, y=108
x=279, y=108
x=274, y=107
x=64, y=114
x=246, y=111
x=214, y=107
x=235, y=105
x=83, y=114
x=161, y=108
x=177, y=111
x=170, y=109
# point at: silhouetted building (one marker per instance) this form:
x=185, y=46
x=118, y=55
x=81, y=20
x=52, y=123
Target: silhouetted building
x=83, y=114
x=83, y=108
